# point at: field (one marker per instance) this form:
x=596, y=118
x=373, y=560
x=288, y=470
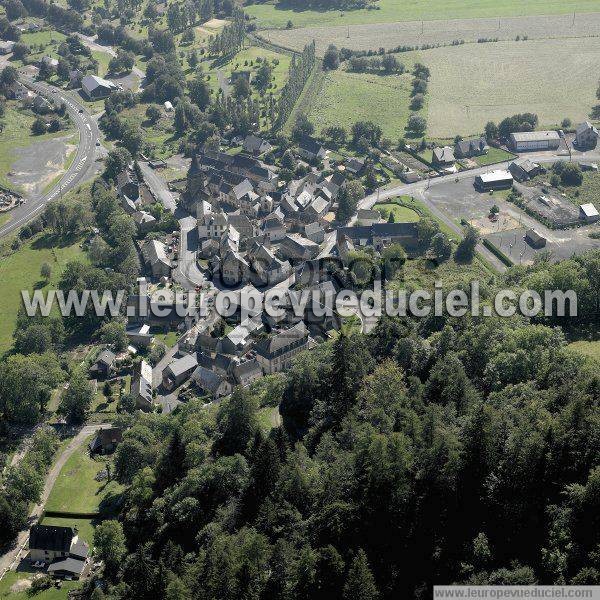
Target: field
x=402, y=214
x=76, y=489
x=20, y=270
x=350, y=97
x=494, y=155
x=590, y=349
x=269, y=15
x=470, y=87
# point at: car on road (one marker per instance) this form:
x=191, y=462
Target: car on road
x=97, y=143
x=80, y=111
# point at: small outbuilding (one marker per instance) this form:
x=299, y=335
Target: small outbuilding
x=535, y=239
x=588, y=213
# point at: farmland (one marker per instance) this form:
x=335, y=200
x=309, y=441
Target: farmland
x=387, y=11
x=350, y=97
x=469, y=87
x=418, y=33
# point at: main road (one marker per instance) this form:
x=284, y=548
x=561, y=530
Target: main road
x=81, y=168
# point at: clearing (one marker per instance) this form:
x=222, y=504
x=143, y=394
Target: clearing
x=402, y=214
x=388, y=11
x=350, y=97
x=469, y=86
x=20, y=270
x=590, y=349
x=77, y=491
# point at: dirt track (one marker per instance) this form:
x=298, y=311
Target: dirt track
x=412, y=33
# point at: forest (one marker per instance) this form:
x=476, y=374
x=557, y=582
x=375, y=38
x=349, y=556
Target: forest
x=430, y=451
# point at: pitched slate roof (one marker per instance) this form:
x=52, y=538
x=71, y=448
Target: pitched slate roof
x=51, y=537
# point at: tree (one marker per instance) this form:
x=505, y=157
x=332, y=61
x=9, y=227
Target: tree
x=109, y=543
x=46, y=271
x=153, y=113
x=360, y=583
x=331, y=59
x=466, y=248
x=302, y=128
x=491, y=131
x=20, y=51
x=393, y=258
x=193, y=59
x=390, y=64
x=112, y=333
x=241, y=88
x=440, y=246
x=571, y=174
x=416, y=124
x=116, y=162
x=199, y=92
x=348, y=199
x=237, y=422
x=262, y=79
x=38, y=127
x=76, y=399
x=336, y=134
x=9, y=76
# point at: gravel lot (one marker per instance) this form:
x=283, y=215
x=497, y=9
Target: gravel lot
x=411, y=33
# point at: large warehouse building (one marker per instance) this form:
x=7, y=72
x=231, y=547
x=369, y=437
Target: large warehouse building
x=529, y=141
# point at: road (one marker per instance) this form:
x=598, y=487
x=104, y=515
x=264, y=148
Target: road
x=92, y=44
x=11, y=558
x=81, y=168
x=420, y=188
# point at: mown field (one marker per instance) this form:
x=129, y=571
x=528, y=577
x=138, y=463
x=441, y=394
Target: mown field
x=76, y=489
x=270, y=15
x=470, y=86
x=20, y=270
x=368, y=36
x=349, y=97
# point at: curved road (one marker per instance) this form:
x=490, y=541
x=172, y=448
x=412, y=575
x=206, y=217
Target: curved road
x=81, y=167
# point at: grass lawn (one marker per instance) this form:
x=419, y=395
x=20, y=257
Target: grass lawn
x=588, y=191
x=494, y=155
x=268, y=418
x=20, y=270
x=76, y=490
x=11, y=582
x=402, y=214
x=17, y=134
x=350, y=97
x=546, y=77
x=103, y=59
x=168, y=339
x=589, y=349
x=269, y=15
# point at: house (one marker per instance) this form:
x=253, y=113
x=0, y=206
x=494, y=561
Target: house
x=311, y=150
x=68, y=568
x=75, y=77
x=49, y=543
x=247, y=372
x=273, y=228
x=155, y=257
x=211, y=383
x=128, y=185
x=524, y=169
x=104, y=365
x=96, y=88
x=367, y=216
x=586, y=136
x=316, y=210
x=379, y=235
x=470, y=148
x=529, y=141
x=141, y=386
x=443, y=157
x=234, y=268
x=314, y=232
x=588, y=213
x=17, y=91
x=535, y=239
x=275, y=354
x=106, y=441
x=41, y=105
x=355, y=166
x=295, y=247
x=6, y=47
x=179, y=371
x=410, y=177
x=256, y=145
x=143, y=220
x=495, y=180
x=243, y=225
x=139, y=335
x=266, y=268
